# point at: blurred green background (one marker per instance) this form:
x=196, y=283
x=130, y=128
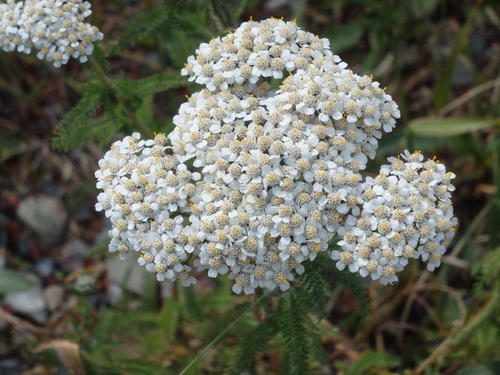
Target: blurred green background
x=440, y=60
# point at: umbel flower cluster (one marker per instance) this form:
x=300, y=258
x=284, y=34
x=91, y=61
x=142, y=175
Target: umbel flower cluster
x=274, y=171
x=55, y=28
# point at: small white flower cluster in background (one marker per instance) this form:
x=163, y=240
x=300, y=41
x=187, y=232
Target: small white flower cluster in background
x=55, y=28
x=279, y=170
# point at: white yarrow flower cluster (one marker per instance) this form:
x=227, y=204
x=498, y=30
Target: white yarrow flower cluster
x=281, y=167
x=55, y=28
x=406, y=213
x=145, y=191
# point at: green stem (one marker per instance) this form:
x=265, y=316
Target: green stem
x=495, y=215
x=300, y=9
x=220, y=335
x=109, y=84
x=456, y=338
x=467, y=331
x=395, y=38
x=445, y=77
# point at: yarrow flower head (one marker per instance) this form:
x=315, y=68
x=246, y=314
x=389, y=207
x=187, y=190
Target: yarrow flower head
x=145, y=192
x=53, y=27
x=281, y=170
x=406, y=213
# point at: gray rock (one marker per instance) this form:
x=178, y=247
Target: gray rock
x=53, y=296
x=128, y=273
x=115, y=293
x=167, y=289
x=73, y=255
x=11, y=366
x=45, y=267
x=30, y=303
x=45, y=215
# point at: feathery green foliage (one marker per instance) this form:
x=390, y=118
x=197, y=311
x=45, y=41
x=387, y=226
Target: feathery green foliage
x=292, y=323
x=102, y=128
x=489, y=270
x=125, y=104
x=312, y=290
x=158, y=82
x=221, y=13
x=147, y=24
x=348, y=280
x=145, y=111
x=252, y=344
x=100, y=56
x=318, y=353
x=75, y=124
x=297, y=320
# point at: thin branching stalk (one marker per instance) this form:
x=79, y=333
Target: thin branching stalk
x=462, y=334
x=220, y=335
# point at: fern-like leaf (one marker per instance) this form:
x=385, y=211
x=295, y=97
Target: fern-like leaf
x=324, y=328
x=145, y=111
x=100, y=56
x=158, y=82
x=346, y=279
x=317, y=350
x=312, y=290
x=102, y=129
x=72, y=127
x=490, y=267
x=180, y=45
x=252, y=344
x=292, y=324
x=147, y=24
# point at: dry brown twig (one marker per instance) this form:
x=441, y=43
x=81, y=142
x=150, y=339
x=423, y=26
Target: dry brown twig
x=67, y=352
x=22, y=325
